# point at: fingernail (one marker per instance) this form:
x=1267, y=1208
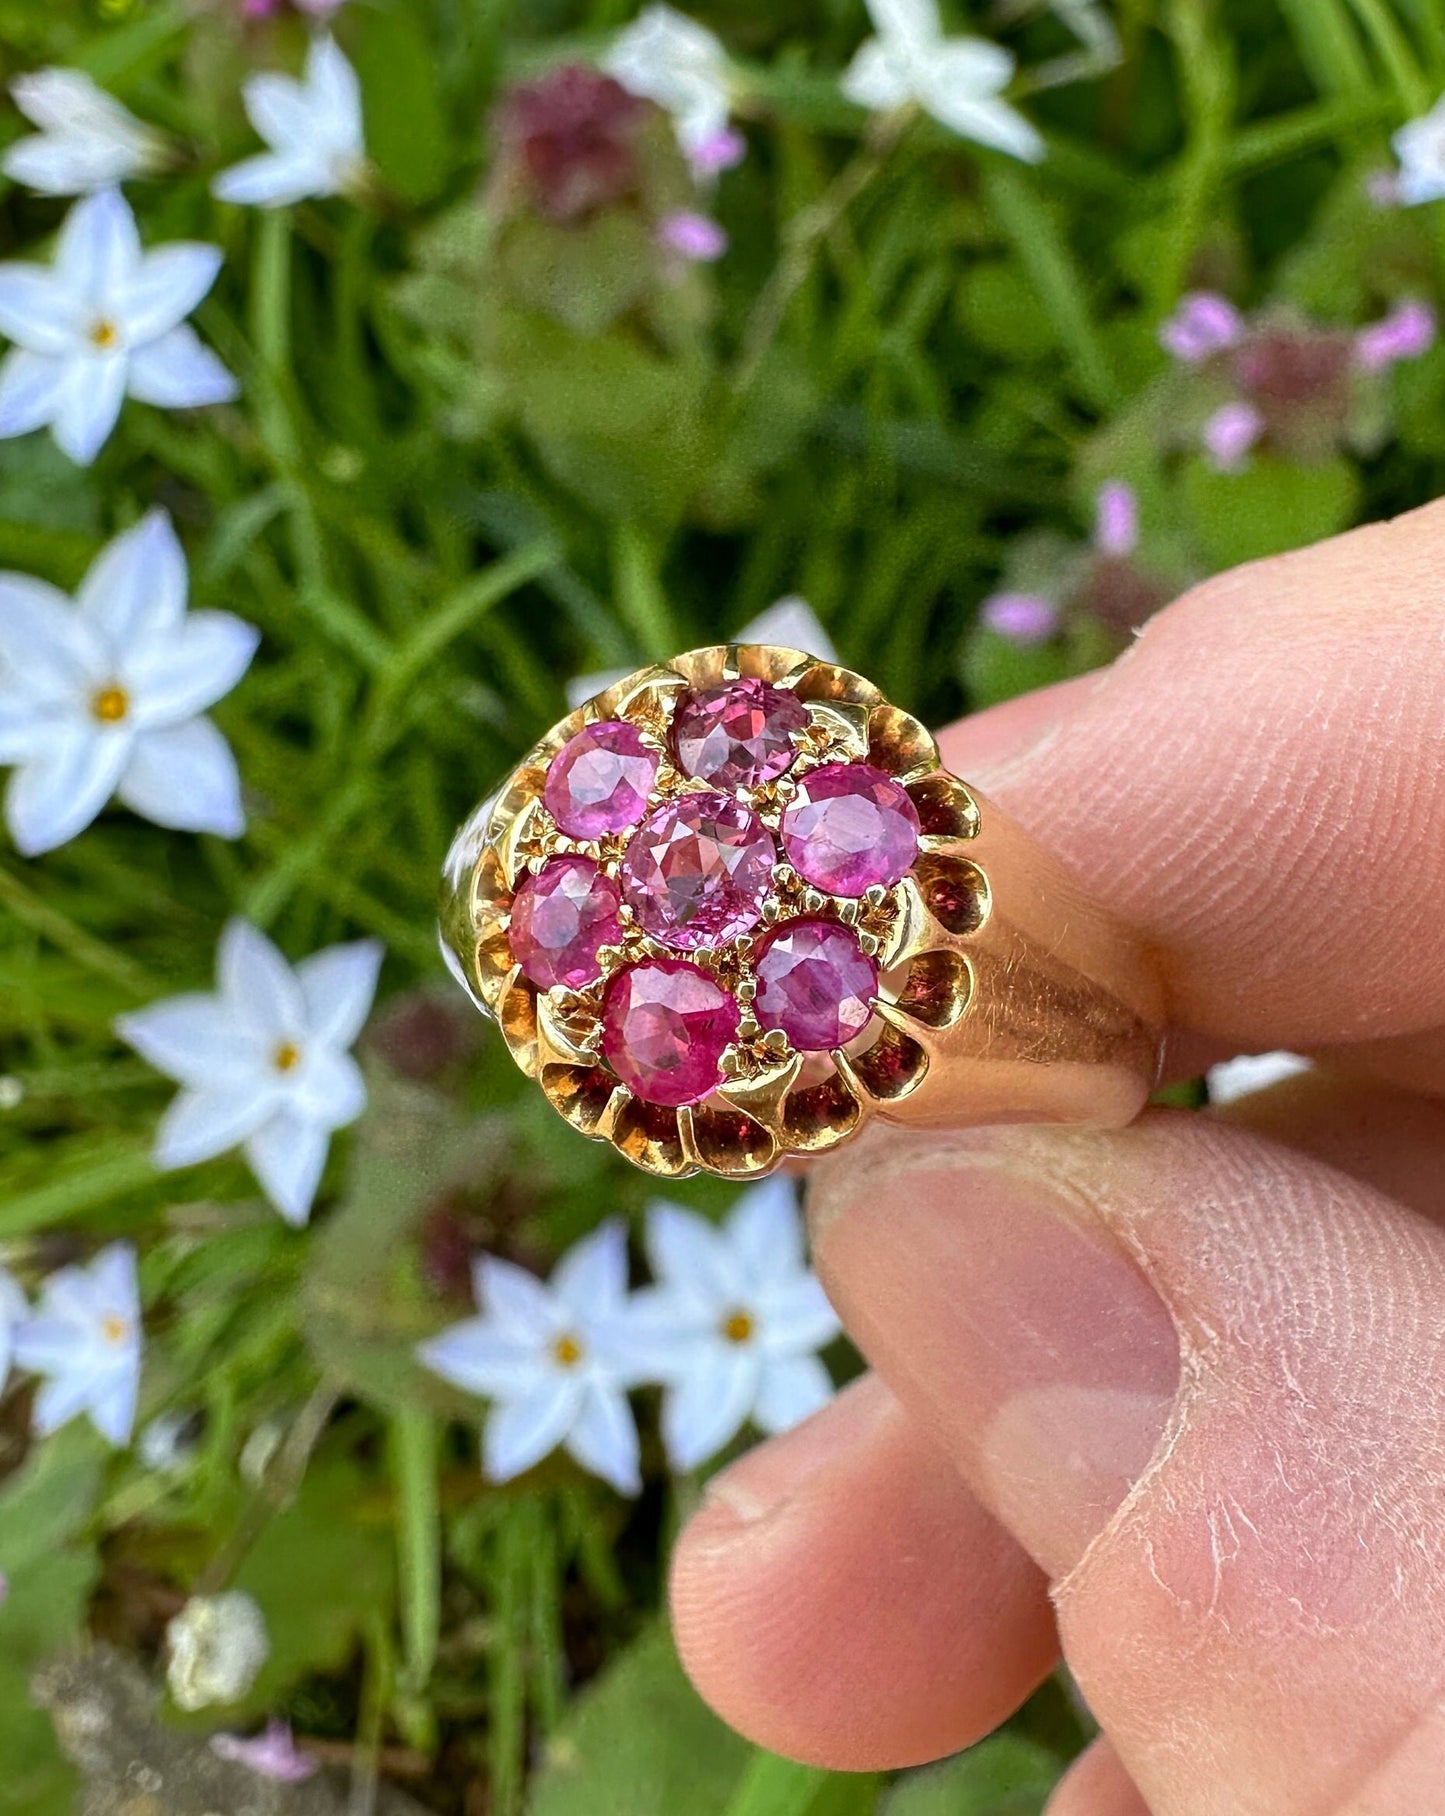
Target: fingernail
x=759, y=1485
x=1001, y=1311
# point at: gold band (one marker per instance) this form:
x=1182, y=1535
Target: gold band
x=1003, y=995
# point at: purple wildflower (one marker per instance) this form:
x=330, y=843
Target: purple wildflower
x=1026, y=619
x=570, y=141
x=1116, y=522
x=273, y=1754
x=720, y=151
x=692, y=235
x=1204, y=324
x=1407, y=332
x=1230, y=433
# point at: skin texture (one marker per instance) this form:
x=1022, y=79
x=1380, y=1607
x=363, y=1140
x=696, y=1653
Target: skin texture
x=1172, y=1398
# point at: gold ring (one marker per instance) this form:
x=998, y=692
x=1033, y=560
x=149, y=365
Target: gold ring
x=733, y=907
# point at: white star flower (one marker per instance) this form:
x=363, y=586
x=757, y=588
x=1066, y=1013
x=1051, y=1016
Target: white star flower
x=668, y=58
x=105, y=321
x=85, y=1339
x=106, y=694
x=314, y=128
x=265, y=1063
x=1420, y=147
x=14, y=1309
x=87, y=140
x=550, y=1358
x=956, y=80
x=733, y=1326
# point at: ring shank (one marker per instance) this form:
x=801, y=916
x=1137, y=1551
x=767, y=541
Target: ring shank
x=1065, y=1019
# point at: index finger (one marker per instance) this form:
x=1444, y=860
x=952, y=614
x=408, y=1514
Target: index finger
x=1258, y=787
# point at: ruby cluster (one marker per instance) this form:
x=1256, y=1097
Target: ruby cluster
x=696, y=874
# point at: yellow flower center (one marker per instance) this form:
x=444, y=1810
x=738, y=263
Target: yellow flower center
x=739, y=1327
x=114, y=1330
x=110, y=705
x=104, y=335
x=567, y=1352
x=287, y=1056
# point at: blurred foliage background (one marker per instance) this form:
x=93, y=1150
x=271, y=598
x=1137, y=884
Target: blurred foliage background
x=481, y=451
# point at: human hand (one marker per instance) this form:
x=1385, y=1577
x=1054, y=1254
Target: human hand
x=1171, y=1399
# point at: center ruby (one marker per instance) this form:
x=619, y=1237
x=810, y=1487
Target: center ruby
x=697, y=870
x=665, y=1027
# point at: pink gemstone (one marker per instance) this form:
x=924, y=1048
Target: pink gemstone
x=849, y=827
x=665, y=1025
x=697, y=870
x=815, y=983
x=561, y=919
x=737, y=735
x=600, y=780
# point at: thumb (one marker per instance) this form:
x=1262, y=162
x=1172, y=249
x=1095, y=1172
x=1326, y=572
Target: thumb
x=1199, y=1377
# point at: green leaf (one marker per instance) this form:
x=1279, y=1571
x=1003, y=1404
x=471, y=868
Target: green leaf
x=1272, y=506
x=641, y=1742
x=36, y=1779
x=1005, y=1775
x=406, y=131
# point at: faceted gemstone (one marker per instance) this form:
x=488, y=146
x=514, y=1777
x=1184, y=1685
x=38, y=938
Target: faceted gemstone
x=697, y=870
x=665, y=1025
x=561, y=919
x=737, y=735
x=815, y=983
x=848, y=827
x=600, y=780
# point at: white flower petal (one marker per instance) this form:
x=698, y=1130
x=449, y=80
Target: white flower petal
x=59, y=1400
x=164, y=288
x=603, y=1439
x=113, y=1404
x=517, y=1300
x=187, y=667
x=1250, y=1072
x=591, y=1278
x=53, y=164
x=258, y=983
x=62, y=788
x=339, y=986
x=796, y=1315
x=37, y=311
x=688, y=1254
x=969, y=67
x=792, y=1389
x=180, y=372
x=138, y=584
x=328, y=1089
x=992, y=123
x=274, y=180
x=877, y=79
x=115, y=1283
x=29, y=723
x=201, y=1124
x=98, y=248
x=43, y=641
x=475, y=1356
x=911, y=23
x=14, y=1306
x=519, y=1433
x=185, y=777
x=793, y=624
x=279, y=107
x=708, y=1405
x=95, y=389
x=335, y=96
x=655, y=1336
x=765, y=1228
x=193, y=1039
x=288, y=1157
x=673, y=60
x=44, y=1344
x=60, y=100
x=32, y=388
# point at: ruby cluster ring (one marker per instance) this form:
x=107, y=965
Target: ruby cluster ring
x=734, y=906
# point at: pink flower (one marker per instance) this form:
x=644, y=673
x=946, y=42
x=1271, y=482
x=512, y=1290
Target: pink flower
x=1026, y=619
x=1204, y=324
x=273, y=1754
x=1230, y=434
x=719, y=151
x=1116, y=524
x=267, y=9
x=692, y=235
x=1405, y=333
